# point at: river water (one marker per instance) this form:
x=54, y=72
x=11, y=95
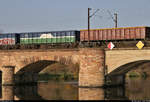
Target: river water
x=134, y=89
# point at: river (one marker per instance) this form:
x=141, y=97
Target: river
x=134, y=89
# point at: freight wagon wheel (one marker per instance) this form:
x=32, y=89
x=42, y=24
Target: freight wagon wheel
x=104, y=44
x=94, y=44
x=80, y=44
x=67, y=45
x=29, y=46
x=98, y=44
x=24, y=46
x=7, y=47
x=36, y=46
x=76, y=44
x=16, y=47
x=117, y=44
x=4, y=47
x=147, y=43
x=70, y=45
x=48, y=46
x=73, y=45
x=21, y=46
x=32, y=46
x=11, y=46
x=54, y=46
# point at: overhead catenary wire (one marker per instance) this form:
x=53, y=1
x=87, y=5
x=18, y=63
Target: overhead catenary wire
x=90, y=16
x=114, y=18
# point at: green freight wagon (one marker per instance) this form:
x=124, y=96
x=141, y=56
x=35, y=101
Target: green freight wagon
x=50, y=37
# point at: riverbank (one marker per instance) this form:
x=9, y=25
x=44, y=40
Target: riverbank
x=62, y=76
x=59, y=71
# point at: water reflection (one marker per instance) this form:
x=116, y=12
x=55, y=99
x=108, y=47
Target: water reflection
x=134, y=89
x=138, y=88
x=53, y=90
x=91, y=94
x=27, y=92
x=115, y=93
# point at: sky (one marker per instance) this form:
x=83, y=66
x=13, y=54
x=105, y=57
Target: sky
x=56, y=15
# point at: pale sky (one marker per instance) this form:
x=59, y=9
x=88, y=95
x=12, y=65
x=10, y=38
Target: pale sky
x=56, y=15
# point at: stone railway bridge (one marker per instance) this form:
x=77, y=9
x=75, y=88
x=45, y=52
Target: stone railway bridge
x=21, y=66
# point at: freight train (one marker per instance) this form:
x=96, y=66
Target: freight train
x=74, y=37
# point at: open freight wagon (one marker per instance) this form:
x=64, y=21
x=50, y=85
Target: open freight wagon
x=49, y=37
x=114, y=34
x=9, y=39
x=40, y=37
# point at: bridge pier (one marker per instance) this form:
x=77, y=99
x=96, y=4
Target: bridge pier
x=8, y=75
x=7, y=92
x=116, y=80
x=91, y=73
x=91, y=94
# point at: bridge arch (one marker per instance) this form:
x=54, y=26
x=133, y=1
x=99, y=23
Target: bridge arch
x=123, y=69
x=29, y=73
x=117, y=58
x=35, y=67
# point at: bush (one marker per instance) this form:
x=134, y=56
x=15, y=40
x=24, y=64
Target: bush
x=144, y=75
x=133, y=74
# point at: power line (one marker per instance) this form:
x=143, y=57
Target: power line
x=114, y=18
x=90, y=16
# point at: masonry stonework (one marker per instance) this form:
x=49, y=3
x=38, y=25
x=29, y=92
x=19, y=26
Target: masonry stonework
x=91, y=94
x=91, y=60
x=23, y=59
x=8, y=75
x=118, y=57
x=7, y=93
x=91, y=73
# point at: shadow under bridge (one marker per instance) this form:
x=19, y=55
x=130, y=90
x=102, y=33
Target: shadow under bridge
x=29, y=73
x=117, y=76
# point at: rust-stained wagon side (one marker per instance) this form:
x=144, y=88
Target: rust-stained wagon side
x=125, y=33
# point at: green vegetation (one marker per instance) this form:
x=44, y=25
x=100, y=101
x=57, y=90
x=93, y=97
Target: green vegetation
x=47, y=77
x=133, y=74
x=59, y=71
x=144, y=75
x=136, y=74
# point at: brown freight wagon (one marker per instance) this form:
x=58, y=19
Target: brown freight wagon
x=125, y=33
